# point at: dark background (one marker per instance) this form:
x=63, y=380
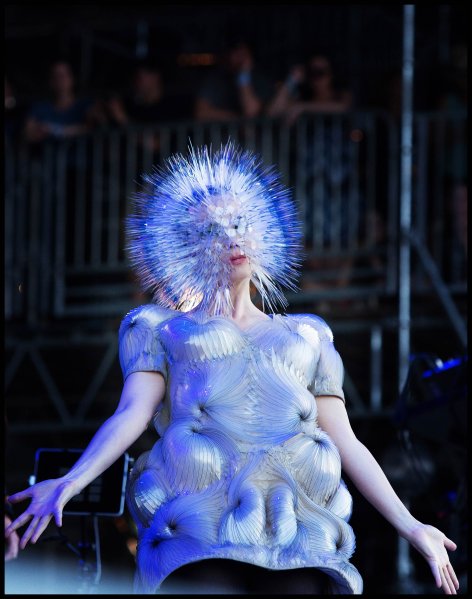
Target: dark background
x=364, y=42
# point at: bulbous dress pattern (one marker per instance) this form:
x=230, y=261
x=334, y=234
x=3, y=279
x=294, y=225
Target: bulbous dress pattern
x=241, y=470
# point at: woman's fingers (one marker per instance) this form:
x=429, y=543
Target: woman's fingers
x=58, y=517
x=445, y=584
x=453, y=576
x=436, y=573
x=450, y=582
x=29, y=531
x=450, y=544
x=447, y=577
x=42, y=525
x=20, y=496
x=22, y=519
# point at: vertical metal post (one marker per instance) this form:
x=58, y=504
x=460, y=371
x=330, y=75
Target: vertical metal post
x=376, y=368
x=300, y=172
x=404, y=565
x=405, y=197
x=131, y=143
x=353, y=191
x=393, y=159
x=46, y=230
x=60, y=237
x=285, y=141
x=317, y=168
x=335, y=169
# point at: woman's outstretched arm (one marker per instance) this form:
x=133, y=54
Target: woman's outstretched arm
x=140, y=398
x=365, y=472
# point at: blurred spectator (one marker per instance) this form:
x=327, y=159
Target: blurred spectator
x=147, y=102
x=236, y=88
x=14, y=113
x=329, y=166
x=64, y=115
x=309, y=89
x=329, y=162
x=12, y=543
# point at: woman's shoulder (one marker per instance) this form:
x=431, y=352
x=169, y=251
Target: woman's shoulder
x=149, y=314
x=314, y=321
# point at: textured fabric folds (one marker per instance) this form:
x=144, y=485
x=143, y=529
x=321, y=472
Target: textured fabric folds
x=139, y=345
x=241, y=469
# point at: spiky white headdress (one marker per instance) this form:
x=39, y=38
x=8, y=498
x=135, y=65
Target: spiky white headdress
x=190, y=215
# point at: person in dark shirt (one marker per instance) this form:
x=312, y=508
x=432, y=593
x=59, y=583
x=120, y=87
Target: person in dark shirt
x=236, y=88
x=147, y=103
x=64, y=115
x=310, y=89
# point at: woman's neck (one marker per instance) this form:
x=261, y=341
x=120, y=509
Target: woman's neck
x=243, y=308
x=241, y=299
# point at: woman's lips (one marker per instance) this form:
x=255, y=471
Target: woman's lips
x=238, y=259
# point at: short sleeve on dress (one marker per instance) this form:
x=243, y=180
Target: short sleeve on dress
x=329, y=371
x=140, y=348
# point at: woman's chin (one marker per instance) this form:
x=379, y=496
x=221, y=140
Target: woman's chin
x=240, y=274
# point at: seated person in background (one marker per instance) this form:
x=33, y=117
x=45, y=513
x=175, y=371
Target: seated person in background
x=64, y=115
x=308, y=89
x=235, y=88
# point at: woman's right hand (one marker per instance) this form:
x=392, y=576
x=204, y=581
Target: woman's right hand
x=48, y=499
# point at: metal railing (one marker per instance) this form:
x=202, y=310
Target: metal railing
x=66, y=200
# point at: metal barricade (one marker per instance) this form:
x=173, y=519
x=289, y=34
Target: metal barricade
x=65, y=202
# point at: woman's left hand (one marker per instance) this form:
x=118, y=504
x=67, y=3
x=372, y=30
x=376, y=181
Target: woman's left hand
x=433, y=546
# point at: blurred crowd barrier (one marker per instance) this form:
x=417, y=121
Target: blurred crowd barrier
x=65, y=201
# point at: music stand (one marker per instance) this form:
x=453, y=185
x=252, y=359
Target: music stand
x=105, y=496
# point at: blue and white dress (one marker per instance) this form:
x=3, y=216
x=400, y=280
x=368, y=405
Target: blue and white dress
x=241, y=469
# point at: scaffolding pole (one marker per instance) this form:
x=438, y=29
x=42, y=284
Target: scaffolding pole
x=405, y=195
x=405, y=571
